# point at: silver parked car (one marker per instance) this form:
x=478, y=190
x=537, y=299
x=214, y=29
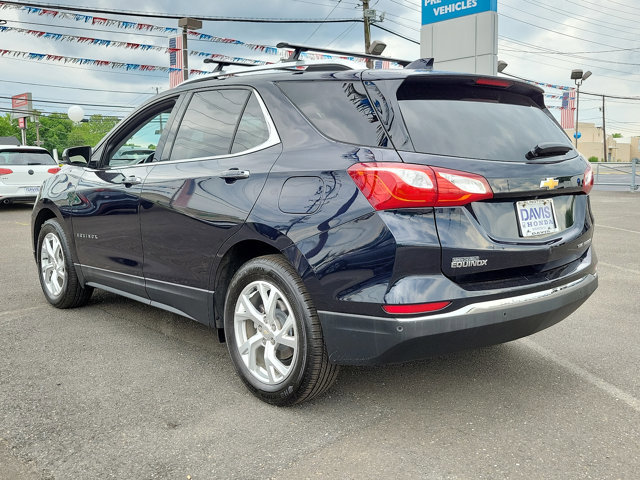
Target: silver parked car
x=22, y=171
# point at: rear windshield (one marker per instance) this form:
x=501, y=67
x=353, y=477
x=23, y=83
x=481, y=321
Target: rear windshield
x=475, y=122
x=25, y=158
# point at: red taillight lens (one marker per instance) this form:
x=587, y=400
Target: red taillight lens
x=415, y=308
x=54, y=170
x=5, y=171
x=460, y=188
x=404, y=185
x=587, y=182
x=494, y=82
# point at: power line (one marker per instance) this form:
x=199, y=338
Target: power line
x=75, y=88
x=607, y=12
x=325, y=19
x=130, y=13
x=84, y=68
x=557, y=32
x=544, y=54
x=8, y=110
x=93, y=29
x=547, y=7
x=574, y=27
x=395, y=33
x=405, y=5
x=76, y=103
x=403, y=25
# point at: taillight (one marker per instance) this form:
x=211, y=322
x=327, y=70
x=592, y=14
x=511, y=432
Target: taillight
x=405, y=185
x=587, y=181
x=494, y=82
x=414, y=309
x=5, y=171
x=54, y=170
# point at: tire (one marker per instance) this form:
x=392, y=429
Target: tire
x=280, y=356
x=58, y=278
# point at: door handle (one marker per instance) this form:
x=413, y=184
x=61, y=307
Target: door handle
x=132, y=180
x=235, y=174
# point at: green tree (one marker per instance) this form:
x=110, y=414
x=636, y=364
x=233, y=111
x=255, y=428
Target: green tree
x=8, y=128
x=617, y=135
x=57, y=131
x=92, y=131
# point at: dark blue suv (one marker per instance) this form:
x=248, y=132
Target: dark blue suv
x=317, y=216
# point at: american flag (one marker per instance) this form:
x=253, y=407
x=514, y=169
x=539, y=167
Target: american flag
x=175, y=61
x=568, y=108
x=381, y=64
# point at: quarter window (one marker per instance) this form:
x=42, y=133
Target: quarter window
x=340, y=110
x=253, y=129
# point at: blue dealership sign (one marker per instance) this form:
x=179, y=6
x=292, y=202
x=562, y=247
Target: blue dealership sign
x=434, y=11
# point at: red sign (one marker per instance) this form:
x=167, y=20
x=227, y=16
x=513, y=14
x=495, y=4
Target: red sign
x=21, y=100
x=21, y=106
x=22, y=122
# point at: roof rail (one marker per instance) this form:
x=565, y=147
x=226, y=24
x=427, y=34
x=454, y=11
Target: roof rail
x=298, y=49
x=305, y=65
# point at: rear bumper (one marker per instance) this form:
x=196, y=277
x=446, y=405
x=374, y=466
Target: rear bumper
x=364, y=340
x=16, y=193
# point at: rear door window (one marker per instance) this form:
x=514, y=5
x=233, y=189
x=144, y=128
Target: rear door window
x=475, y=121
x=340, y=110
x=209, y=124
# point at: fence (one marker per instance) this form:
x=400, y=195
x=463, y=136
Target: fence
x=618, y=174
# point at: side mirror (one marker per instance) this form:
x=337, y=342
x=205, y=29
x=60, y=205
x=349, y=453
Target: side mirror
x=77, y=155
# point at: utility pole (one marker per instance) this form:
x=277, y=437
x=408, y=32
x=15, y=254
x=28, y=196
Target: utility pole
x=367, y=25
x=604, y=132
x=37, y=123
x=368, y=16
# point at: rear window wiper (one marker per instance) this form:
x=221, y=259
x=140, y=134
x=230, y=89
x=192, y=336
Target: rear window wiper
x=548, y=150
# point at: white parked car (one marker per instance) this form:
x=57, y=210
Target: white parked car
x=22, y=171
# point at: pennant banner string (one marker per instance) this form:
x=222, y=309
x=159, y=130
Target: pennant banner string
x=128, y=45
x=145, y=27
x=91, y=61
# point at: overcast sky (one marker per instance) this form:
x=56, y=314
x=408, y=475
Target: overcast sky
x=601, y=36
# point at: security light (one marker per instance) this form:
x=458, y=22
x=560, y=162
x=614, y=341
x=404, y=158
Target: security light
x=576, y=74
x=377, y=47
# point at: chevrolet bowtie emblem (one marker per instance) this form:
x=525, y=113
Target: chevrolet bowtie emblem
x=550, y=183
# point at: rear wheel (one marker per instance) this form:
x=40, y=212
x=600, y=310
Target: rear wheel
x=274, y=335
x=58, y=278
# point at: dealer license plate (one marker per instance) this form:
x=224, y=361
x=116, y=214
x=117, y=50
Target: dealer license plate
x=536, y=217
x=32, y=190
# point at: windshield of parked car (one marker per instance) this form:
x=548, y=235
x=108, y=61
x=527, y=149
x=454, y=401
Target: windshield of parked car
x=16, y=157
x=476, y=122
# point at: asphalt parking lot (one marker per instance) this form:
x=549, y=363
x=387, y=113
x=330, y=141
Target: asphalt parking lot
x=121, y=390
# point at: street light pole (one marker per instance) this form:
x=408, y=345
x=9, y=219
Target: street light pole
x=578, y=77
x=187, y=24
x=604, y=133
x=577, y=112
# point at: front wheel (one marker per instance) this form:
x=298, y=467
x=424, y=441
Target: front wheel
x=274, y=334
x=58, y=278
